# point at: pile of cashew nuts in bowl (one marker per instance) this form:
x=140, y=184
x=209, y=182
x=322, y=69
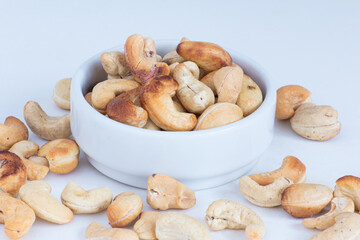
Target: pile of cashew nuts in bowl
x=148, y=91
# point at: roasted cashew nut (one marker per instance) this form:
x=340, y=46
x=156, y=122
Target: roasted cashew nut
x=250, y=97
x=46, y=127
x=81, y=201
x=173, y=56
x=155, y=97
x=348, y=186
x=12, y=131
x=114, y=64
x=224, y=213
x=194, y=69
x=145, y=227
x=208, y=80
x=96, y=231
x=61, y=95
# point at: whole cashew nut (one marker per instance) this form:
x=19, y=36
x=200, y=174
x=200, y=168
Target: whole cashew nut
x=228, y=82
x=250, y=97
x=208, y=80
x=178, y=226
x=82, y=201
x=145, y=227
x=46, y=127
x=96, y=231
x=114, y=64
x=39, y=160
x=348, y=186
x=12, y=131
x=224, y=213
x=61, y=95
x=37, y=194
x=173, y=56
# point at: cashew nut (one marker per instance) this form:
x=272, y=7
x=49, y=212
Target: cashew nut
x=224, y=213
x=12, y=173
x=82, y=201
x=313, y=122
x=228, y=83
x=164, y=192
x=346, y=227
x=219, y=114
x=140, y=56
x=145, y=226
x=338, y=205
x=173, y=56
x=37, y=194
x=125, y=208
x=18, y=217
x=88, y=97
x=46, y=127
x=207, y=56
x=305, y=200
x=250, y=97
x=151, y=125
x=39, y=160
x=178, y=226
x=264, y=196
x=96, y=231
x=155, y=97
x=348, y=186
x=12, y=131
x=194, y=69
x=114, y=63
x=61, y=95
x=289, y=98
x=25, y=149
x=208, y=80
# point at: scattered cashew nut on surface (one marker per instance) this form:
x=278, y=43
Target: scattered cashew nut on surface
x=12, y=131
x=96, y=231
x=348, y=186
x=61, y=95
x=145, y=227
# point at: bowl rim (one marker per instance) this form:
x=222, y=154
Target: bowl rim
x=267, y=102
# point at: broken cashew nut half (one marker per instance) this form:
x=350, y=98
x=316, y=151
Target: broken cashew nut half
x=145, y=227
x=96, y=231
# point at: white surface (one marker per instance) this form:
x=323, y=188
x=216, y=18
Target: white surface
x=314, y=44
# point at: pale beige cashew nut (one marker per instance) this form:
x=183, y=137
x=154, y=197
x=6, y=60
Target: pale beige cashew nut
x=25, y=149
x=17, y=216
x=46, y=127
x=346, y=227
x=37, y=194
x=81, y=201
x=194, y=69
x=173, y=56
x=39, y=160
x=250, y=97
x=348, y=186
x=145, y=227
x=208, y=80
x=178, y=226
x=105, y=91
x=96, y=231
x=151, y=125
x=264, y=196
x=114, y=64
x=228, y=83
x=12, y=131
x=224, y=213
x=338, y=205
x=61, y=94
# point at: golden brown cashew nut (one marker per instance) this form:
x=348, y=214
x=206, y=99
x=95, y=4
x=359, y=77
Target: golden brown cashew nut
x=250, y=97
x=155, y=97
x=164, y=192
x=12, y=173
x=88, y=97
x=61, y=95
x=46, y=127
x=96, y=231
x=18, y=217
x=145, y=227
x=37, y=194
x=338, y=205
x=207, y=56
x=228, y=82
x=289, y=98
x=114, y=64
x=140, y=56
x=173, y=56
x=178, y=226
x=224, y=213
x=12, y=131
x=39, y=160
x=348, y=186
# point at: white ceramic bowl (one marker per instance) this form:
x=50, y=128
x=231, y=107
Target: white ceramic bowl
x=199, y=159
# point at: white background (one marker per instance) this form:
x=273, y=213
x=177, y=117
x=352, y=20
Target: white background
x=312, y=43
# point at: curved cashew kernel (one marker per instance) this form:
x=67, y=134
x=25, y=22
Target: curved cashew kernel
x=61, y=95
x=218, y=115
x=12, y=173
x=155, y=97
x=224, y=213
x=164, y=192
x=347, y=226
x=26, y=149
x=12, y=131
x=208, y=80
x=305, y=200
x=338, y=205
x=313, y=122
x=289, y=98
x=173, y=56
x=125, y=208
x=114, y=63
x=37, y=194
x=291, y=168
x=62, y=154
x=228, y=83
x=194, y=69
x=250, y=97
x=264, y=196
x=207, y=56
x=348, y=186
x=178, y=226
x=140, y=56
x=46, y=127
x=39, y=160
x=145, y=227
x=105, y=91
x=18, y=216
x=96, y=231
x=81, y=201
